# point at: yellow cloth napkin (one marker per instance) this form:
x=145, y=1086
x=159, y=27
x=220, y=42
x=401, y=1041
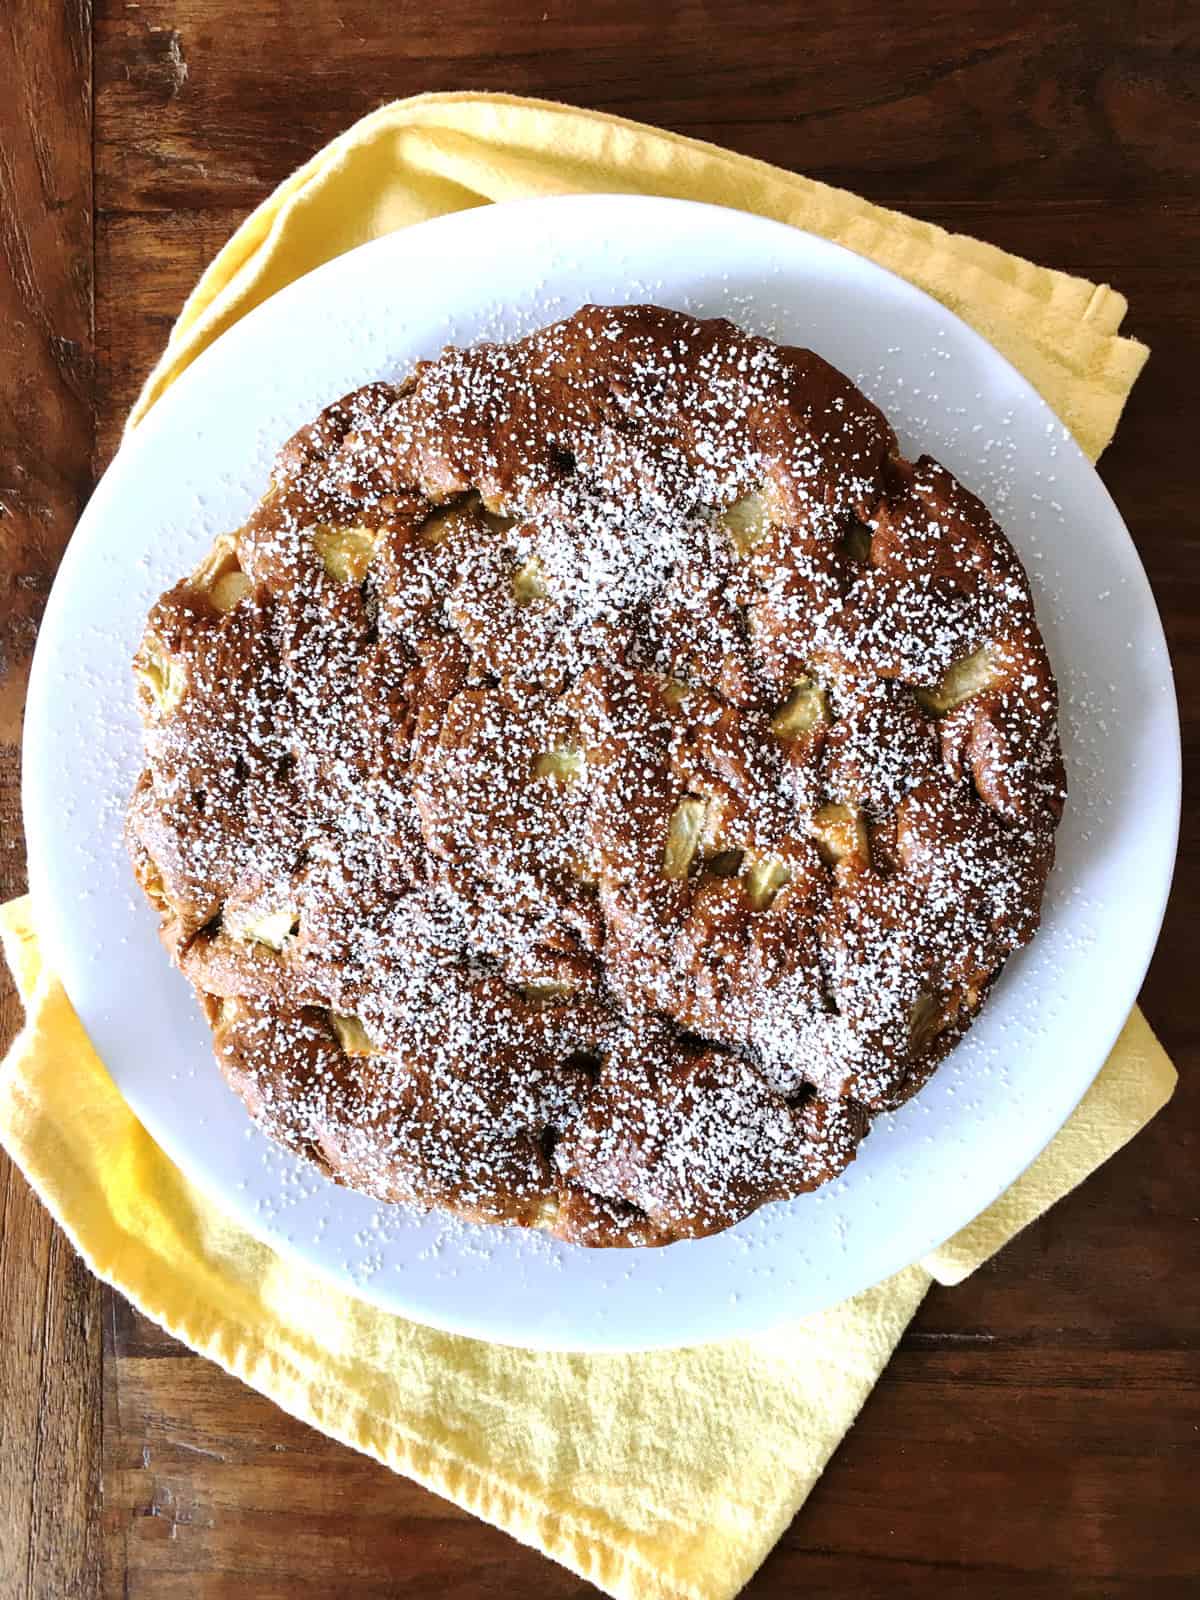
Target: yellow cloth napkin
x=664, y=1475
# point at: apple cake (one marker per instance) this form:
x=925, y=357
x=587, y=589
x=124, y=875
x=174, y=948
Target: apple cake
x=600, y=776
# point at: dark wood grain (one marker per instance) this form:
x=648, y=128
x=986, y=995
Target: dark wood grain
x=1038, y=1433
x=45, y=314
x=49, y=1303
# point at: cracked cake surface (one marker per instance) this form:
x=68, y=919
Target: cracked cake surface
x=600, y=776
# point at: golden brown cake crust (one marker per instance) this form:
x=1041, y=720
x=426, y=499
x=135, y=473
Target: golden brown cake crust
x=599, y=777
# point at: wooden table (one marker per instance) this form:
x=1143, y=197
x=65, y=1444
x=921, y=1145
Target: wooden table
x=1037, y=1432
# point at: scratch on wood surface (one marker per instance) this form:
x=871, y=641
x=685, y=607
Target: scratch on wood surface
x=930, y=1337
x=164, y=1505
x=177, y=67
x=197, y=1450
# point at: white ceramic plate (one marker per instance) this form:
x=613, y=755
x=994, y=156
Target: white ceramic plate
x=200, y=461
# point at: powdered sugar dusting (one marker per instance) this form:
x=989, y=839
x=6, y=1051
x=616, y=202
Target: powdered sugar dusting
x=600, y=775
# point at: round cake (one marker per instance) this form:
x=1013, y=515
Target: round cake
x=600, y=776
